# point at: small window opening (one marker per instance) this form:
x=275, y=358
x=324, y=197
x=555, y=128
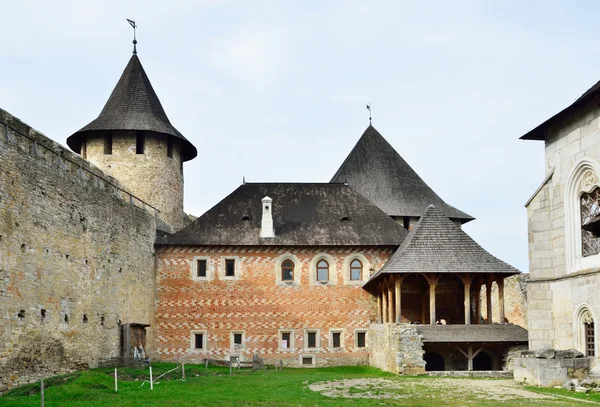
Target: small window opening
x=170, y=147
x=230, y=268
x=23, y=247
x=312, y=340
x=336, y=339
x=85, y=319
x=102, y=320
x=237, y=339
x=407, y=222
x=307, y=360
x=286, y=340
x=287, y=271
x=199, y=341
x=43, y=313
x=201, y=268
x=67, y=256
x=21, y=315
x=108, y=143
x=590, y=341
x=361, y=339
x=344, y=218
x=322, y=271
x=356, y=270
x=140, y=141
x=246, y=217
x=66, y=319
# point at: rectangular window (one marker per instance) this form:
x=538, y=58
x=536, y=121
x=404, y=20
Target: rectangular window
x=229, y=268
x=307, y=360
x=336, y=338
x=201, y=270
x=237, y=338
x=108, y=140
x=199, y=341
x=590, y=343
x=169, y=146
x=140, y=141
x=361, y=339
x=286, y=338
x=311, y=338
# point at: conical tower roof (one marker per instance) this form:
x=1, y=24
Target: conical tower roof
x=378, y=172
x=437, y=245
x=133, y=105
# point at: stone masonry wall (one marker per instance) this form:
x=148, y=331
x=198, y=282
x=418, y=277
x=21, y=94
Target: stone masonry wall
x=76, y=259
x=153, y=176
x=561, y=279
x=258, y=305
x=396, y=348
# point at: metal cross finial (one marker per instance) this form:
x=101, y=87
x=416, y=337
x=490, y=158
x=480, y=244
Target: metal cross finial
x=132, y=23
x=369, y=109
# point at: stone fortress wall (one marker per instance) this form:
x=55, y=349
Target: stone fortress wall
x=564, y=283
x=76, y=258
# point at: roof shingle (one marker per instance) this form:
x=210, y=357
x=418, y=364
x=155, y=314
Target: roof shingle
x=304, y=214
x=380, y=174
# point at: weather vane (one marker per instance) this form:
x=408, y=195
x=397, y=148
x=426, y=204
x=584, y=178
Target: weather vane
x=132, y=23
x=369, y=109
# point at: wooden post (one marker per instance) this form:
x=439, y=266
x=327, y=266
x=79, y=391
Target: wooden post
x=467, y=282
x=391, y=319
x=398, y=299
x=379, y=316
x=42, y=391
x=116, y=383
x=432, y=284
x=230, y=372
x=477, y=293
x=501, y=298
x=423, y=313
x=206, y=366
x=183, y=370
x=384, y=302
x=151, y=380
x=488, y=299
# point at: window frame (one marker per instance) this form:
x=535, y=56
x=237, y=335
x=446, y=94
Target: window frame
x=285, y=267
x=229, y=262
x=360, y=270
x=234, y=346
x=358, y=332
x=194, y=268
x=301, y=358
x=193, y=334
x=319, y=268
x=317, y=333
x=237, y=268
x=347, y=269
x=291, y=343
x=341, y=332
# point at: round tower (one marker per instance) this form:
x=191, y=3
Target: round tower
x=133, y=141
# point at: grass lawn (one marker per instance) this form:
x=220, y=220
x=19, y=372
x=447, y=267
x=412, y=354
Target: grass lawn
x=214, y=387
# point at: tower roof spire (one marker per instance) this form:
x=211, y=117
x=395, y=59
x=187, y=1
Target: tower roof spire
x=132, y=23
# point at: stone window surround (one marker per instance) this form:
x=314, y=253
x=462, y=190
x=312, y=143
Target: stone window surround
x=578, y=181
x=297, y=270
x=238, y=268
x=233, y=346
x=193, y=340
x=342, y=331
x=312, y=274
x=579, y=328
x=356, y=332
x=317, y=347
x=301, y=358
x=366, y=267
x=291, y=345
x=210, y=269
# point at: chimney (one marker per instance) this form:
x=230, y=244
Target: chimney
x=266, y=225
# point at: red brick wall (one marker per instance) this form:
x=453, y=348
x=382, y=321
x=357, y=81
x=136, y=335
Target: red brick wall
x=259, y=305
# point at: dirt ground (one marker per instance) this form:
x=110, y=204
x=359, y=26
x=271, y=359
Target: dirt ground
x=372, y=388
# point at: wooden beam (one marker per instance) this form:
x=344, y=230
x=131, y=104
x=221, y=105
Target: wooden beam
x=488, y=299
x=500, y=282
x=384, y=302
x=399, y=298
x=391, y=300
x=379, y=319
x=466, y=279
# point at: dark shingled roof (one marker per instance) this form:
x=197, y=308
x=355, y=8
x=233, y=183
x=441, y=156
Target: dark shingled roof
x=541, y=131
x=133, y=105
x=473, y=333
x=303, y=214
x=378, y=172
x=437, y=245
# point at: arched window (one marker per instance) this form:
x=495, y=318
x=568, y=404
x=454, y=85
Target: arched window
x=322, y=271
x=587, y=329
x=287, y=271
x=356, y=269
x=590, y=210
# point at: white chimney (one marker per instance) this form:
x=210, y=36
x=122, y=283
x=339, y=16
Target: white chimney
x=266, y=225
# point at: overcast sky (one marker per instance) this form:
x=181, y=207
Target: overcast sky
x=276, y=91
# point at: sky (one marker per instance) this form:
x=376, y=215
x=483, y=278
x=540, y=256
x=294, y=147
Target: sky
x=275, y=91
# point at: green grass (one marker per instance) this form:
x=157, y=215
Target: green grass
x=214, y=387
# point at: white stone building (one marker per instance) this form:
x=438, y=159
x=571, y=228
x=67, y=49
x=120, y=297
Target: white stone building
x=564, y=254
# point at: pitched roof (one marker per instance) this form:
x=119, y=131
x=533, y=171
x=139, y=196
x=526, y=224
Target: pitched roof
x=133, y=105
x=437, y=245
x=541, y=131
x=473, y=333
x=378, y=172
x=303, y=214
